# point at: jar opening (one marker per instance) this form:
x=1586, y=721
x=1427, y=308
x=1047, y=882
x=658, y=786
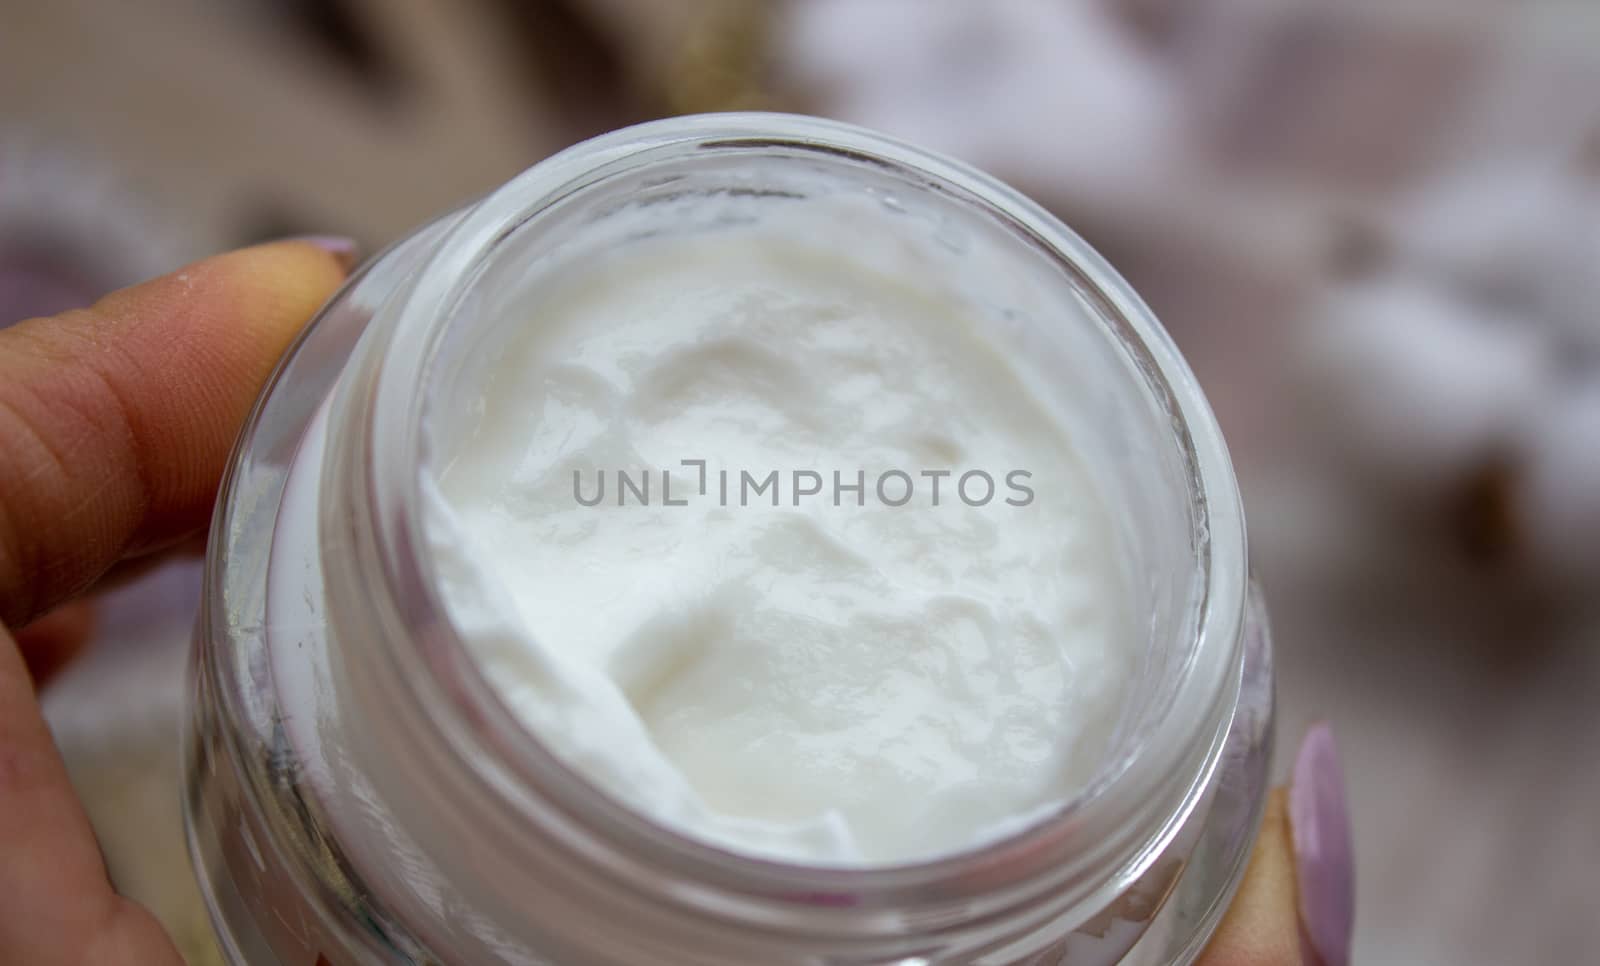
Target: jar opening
x=1091, y=348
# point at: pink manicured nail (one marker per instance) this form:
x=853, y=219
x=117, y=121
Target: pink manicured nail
x=1324, y=864
x=344, y=249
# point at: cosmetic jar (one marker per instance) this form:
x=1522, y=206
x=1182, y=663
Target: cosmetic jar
x=358, y=793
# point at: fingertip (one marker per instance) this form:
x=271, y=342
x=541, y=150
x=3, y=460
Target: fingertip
x=247, y=303
x=345, y=252
x=1296, y=902
x=295, y=275
x=118, y=418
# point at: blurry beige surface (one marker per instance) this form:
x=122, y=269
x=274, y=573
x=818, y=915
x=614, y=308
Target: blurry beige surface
x=1464, y=697
x=218, y=107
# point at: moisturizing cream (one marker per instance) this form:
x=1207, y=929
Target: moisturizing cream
x=783, y=552
x=738, y=541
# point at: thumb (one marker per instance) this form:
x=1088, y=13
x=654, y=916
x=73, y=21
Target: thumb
x=1296, y=903
x=116, y=421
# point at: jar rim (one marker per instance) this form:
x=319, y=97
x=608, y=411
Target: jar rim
x=1185, y=739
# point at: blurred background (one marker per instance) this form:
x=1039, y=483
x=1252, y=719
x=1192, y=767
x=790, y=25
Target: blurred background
x=1372, y=225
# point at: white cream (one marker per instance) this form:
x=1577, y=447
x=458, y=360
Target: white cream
x=836, y=684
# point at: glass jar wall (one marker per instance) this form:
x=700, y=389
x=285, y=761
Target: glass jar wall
x=358, y=793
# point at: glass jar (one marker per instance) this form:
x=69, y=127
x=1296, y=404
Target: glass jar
x=357, y=792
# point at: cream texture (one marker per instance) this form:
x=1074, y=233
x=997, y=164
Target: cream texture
x=818, y=683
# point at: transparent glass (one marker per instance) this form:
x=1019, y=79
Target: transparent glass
x=357, y=793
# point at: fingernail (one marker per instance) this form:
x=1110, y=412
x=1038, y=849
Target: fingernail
x=345, y=250
x=1324, y=864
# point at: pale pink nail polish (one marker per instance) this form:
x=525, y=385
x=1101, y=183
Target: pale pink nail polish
x=344, y=249
x=1324, y=864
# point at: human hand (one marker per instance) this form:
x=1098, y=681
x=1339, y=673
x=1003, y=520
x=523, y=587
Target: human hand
x=115, y=426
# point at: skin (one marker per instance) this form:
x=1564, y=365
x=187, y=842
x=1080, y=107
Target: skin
x=115, y=425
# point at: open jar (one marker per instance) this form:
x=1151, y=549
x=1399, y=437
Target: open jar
x=358, y=791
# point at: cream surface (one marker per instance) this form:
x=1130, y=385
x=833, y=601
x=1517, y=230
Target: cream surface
x=833, y=679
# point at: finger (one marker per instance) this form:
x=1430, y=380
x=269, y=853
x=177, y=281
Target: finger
x=1262, y=927
x=50, y=642
x=58, y=908
x=1296, y=902
x=115, y=421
